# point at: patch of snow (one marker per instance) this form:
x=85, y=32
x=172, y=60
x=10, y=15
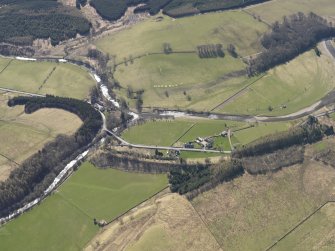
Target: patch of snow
x=134, y=115
x=25, y=59
x=97, y=78
x=212, y=116
x=105, y=93
x=62, y=60
x=174, y=114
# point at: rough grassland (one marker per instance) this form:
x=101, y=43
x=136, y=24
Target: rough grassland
x=64, y=221
x=66, y=80
x=234, y=27
x=252, y=212
x=317, y=233
x=22, y=135
x=165, y=223
x=297, y=84
x=275, y=10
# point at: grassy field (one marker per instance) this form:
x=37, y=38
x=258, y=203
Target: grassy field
x=275, y=10
x=163, y=133
x=242, y=221
x=188, y=82
x=166, y=223
x=234, y=27
x=297, y=84
x=22, y=135
x=64, y=221
x=45, y=78
x=179, y=131
x=181, y=80
x=317, y=233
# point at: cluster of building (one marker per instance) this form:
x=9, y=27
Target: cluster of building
x=205, y=143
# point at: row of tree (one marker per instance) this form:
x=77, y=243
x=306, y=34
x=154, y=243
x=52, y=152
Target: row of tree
x=210, y=51
x=135, y=162
x=35, y=174
x=295, y=35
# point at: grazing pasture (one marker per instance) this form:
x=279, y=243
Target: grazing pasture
x=183, y=79
x=177, y=79
x=287, y=88
x=45, y=78
x=235, y=27
x=180, y=131
x=64, y=221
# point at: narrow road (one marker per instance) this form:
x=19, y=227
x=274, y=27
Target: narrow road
x=151, y=147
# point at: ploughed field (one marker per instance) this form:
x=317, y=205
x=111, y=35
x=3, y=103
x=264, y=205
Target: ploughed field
x=64, y=220
x=60, y=79
x=22, y=135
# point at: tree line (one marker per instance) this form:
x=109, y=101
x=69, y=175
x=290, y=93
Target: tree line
x=181, y=8
x=115, y=9
x=35, y=174
x=295, y=35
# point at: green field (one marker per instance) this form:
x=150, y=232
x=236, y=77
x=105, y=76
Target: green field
x=190, y=82
x=179, y=80
x=180, y=131
x=64, y=221
x=163, y=133
x=317, y=233
x=64, y=79
x=240, y=220
x=187, y=82
x=296, y=85
x=234, y=27
x=275, y=10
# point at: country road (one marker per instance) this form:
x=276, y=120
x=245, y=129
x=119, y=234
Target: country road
x=168, y=148
x=152, y=147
